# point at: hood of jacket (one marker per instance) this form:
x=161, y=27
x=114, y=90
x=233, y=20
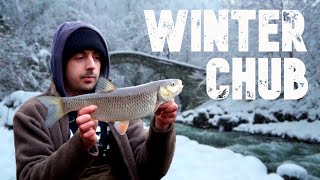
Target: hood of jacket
x=59, y=39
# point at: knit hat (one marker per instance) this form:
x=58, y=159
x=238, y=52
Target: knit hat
x=83, y=39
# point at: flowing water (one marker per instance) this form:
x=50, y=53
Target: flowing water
x=271, y=151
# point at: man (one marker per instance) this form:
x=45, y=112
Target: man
x=70, y=149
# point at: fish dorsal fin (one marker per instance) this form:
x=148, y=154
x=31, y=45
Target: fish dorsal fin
x=105, y=86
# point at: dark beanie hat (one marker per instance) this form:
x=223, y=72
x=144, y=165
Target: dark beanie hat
x=83, y=39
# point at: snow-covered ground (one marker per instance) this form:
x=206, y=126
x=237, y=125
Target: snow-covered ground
x=10, y=104
x=302, y=130
x=191, y=161
x=195, y=161
x=8, y=162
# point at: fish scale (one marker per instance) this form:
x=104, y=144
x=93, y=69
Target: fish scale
x=119, y=105
x=134, y=101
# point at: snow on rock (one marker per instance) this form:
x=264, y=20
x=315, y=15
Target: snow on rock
x=278, y=118
x=290, y=170
x=303, y=130
x=214, y=116
x=11, y=103
x=186, y=116
x=216, y=110
x=263, y=116
x=201, y=118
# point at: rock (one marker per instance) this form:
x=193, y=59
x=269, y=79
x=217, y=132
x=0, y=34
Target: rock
x=260, y=119
x=8, y=126
x=290, y=171
x=279, y=116
x=263, y=117
x=289, y=117
x=201, y=120
x=216, y=110
x=228, y=122
x=303, y=115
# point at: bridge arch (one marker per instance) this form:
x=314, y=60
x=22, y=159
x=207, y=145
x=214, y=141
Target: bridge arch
x=130, y=68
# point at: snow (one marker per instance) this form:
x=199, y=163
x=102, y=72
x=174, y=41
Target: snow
x=200, y=161
x=315, y=3
x=294, y=119
x=8, y=162
x=293, y=170
x=11, y=104
x=205, y=162
x=266, y=114
x=303, y=130
x=187, y=116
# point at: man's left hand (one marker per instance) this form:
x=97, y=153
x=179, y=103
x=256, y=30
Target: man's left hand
x=166, y=115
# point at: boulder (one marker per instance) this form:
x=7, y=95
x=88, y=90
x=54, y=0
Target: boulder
x=228, y=122
x=201, y=119
x=290, y=171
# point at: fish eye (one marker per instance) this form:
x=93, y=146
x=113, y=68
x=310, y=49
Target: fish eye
x=173, y=84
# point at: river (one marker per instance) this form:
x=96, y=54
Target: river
x=271, y=151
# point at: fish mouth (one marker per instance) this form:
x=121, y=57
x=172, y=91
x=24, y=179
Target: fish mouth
x=180, y=88
x=180, y=85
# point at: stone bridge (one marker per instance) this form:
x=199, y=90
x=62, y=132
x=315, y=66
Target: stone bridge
x=132, y=68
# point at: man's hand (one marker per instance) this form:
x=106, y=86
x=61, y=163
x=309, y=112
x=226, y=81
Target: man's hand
x=166, y=115
x=87, y=126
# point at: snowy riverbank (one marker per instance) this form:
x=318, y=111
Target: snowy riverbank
x=296, y=119
x=191, y=161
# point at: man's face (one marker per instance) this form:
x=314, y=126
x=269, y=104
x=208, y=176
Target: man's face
x=82, y=72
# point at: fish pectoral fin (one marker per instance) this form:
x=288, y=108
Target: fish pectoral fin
x=121, y=126
x=105, y=86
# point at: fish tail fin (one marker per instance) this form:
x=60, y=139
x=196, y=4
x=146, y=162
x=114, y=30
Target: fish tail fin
x=55, y=108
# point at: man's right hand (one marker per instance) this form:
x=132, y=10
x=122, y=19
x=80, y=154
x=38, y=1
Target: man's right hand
x=87, y=126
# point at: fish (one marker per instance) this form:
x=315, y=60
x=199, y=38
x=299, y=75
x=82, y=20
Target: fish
x=119, y=105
